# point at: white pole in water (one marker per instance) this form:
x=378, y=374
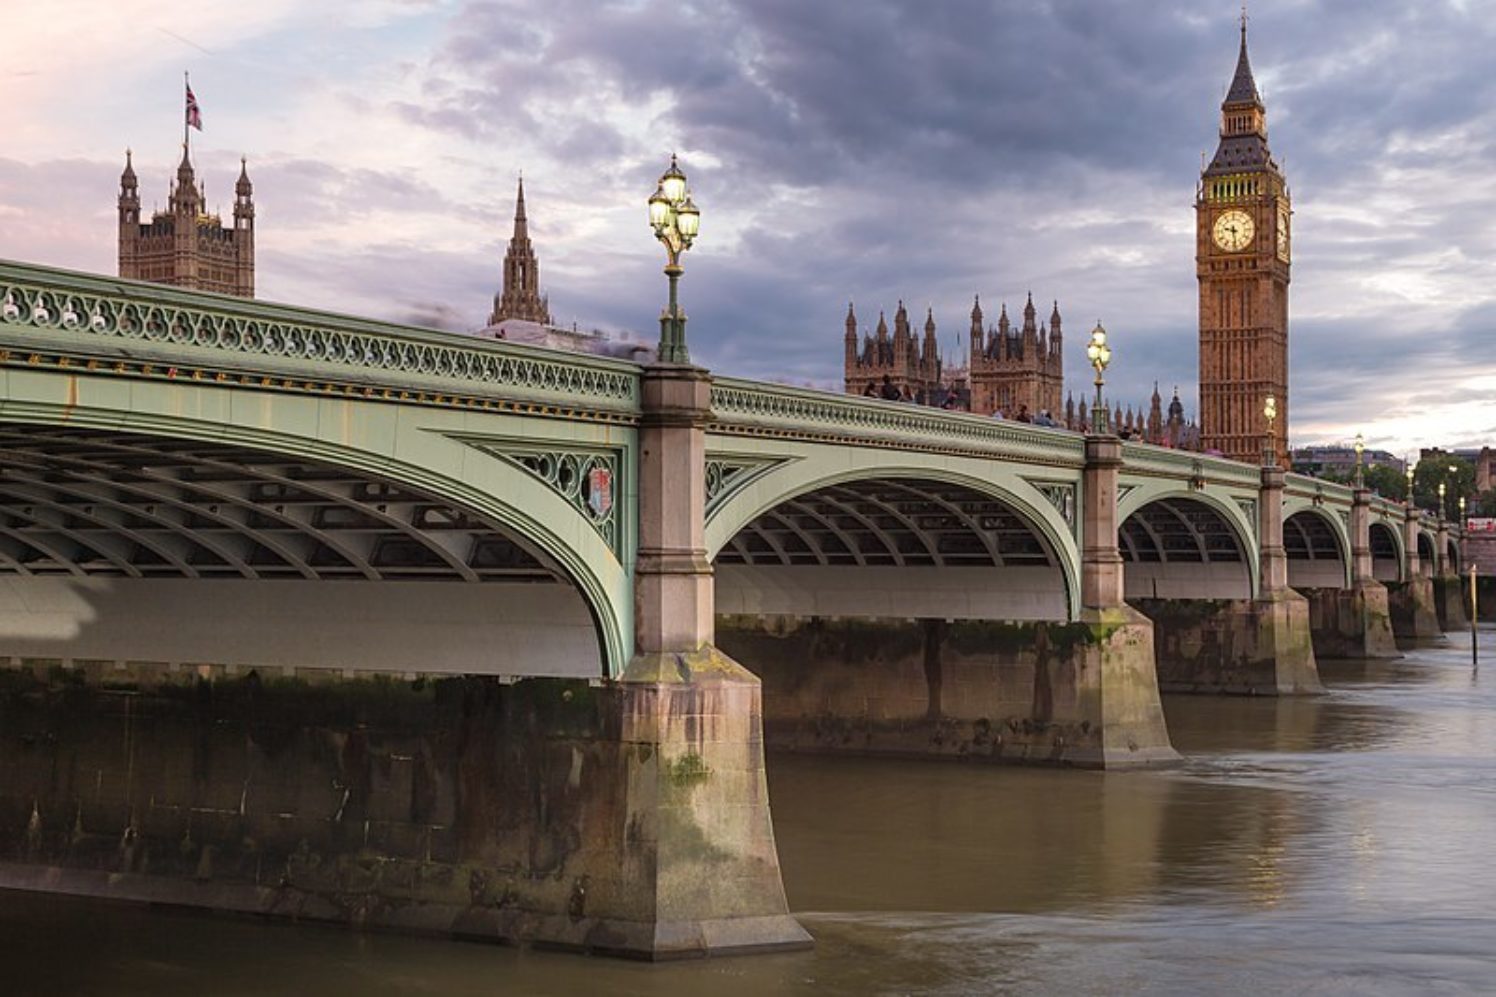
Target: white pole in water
x=1474, y=637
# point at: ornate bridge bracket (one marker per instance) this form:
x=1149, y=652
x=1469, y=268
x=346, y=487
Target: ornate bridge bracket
x=588, y=480
x=1063, y=496
x=1248, y=509
x=728, y=474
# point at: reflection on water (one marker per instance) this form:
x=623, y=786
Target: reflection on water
x=1342, y=844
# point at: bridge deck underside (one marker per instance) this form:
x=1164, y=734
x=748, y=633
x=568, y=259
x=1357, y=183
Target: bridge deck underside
x=891, y=548
x=1386, y=559
x=1182, y=549
x=101, y=529
x=1315, y=555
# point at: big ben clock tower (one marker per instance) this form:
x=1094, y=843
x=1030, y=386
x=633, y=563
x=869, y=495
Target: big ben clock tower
x=1242, y=260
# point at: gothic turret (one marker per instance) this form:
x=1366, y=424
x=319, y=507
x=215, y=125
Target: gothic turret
x=520, y=297
x=978, y=335
x=186, y=200
x=244, y=228
x=1030, y=329
x=185, y=246
x=850, y=338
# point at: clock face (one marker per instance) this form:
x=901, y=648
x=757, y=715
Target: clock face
x=1283, y=235
x=1234, y=230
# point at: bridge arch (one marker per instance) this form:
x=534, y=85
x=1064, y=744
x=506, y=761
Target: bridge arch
x=1427, y=554
x=1318, y=546
x=1181, y=544
x=801, y=513
x=1452, y=556
x=419, y=455
x=1387, y=561
x=1199, y=515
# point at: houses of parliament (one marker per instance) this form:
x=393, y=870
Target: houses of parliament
x=1243, y=214
x=184, y=245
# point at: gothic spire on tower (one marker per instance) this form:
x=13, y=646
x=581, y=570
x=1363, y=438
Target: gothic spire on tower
x=1243, y=85
x=520, y=297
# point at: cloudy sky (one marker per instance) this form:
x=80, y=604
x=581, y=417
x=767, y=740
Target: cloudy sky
x=868, y=150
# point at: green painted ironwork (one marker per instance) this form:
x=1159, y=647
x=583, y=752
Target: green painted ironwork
x=569, y=473
x=106, y=317
x=750, y=408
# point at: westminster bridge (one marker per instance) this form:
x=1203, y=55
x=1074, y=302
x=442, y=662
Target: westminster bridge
x=322, y=617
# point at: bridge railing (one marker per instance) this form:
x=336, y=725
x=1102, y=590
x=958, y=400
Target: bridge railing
x=1318, y=490
x=152, y=329
x=759, y=409
x=1164, y=462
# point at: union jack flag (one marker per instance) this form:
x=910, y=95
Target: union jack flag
x=194, y=114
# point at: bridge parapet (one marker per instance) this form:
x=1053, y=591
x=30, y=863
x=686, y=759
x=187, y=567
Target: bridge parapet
x=50, y=316
x=1154, y=461
x=752, y=408
x=1319, y=491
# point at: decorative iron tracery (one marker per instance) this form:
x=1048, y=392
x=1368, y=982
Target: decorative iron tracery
x=587, y=479
x=334, y=346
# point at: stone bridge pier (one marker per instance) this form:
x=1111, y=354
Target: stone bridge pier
x=1449, y=600
x=1353, y=621
x=1410, y=592
x=1216, y=632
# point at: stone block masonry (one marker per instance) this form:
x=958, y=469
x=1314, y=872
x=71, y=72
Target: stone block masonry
x=1260, y=647
x=1452, y=602
x=1414, y=613
x=1079, y=694
x=1351, y=623
x=626, y=817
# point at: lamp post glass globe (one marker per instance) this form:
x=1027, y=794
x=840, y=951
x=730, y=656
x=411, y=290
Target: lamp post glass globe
x=1270, y=413
x=1100, y=355
x=676, y=220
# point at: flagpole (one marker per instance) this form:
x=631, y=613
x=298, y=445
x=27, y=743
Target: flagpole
x=186, y=137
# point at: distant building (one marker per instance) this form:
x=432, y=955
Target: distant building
x=520, y=296
x=184, y=245
x=1162, y=429
x=1008, y=370
x=1242, y=261
x=1485, y=474
x=1017, y=369
x=521, y=314
x=1340, y=460
x=911, y=367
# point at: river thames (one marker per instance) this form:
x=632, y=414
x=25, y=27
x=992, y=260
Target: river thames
x=1344, y=844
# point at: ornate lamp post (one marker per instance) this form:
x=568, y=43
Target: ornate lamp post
x=1442, y=507
x=1409, y=473
x=1099, y=354
x=675, y=220
x=1270, y=413
x=1360, y=467
x=1462, y=512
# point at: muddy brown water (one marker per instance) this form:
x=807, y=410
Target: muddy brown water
x=1338, y=845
